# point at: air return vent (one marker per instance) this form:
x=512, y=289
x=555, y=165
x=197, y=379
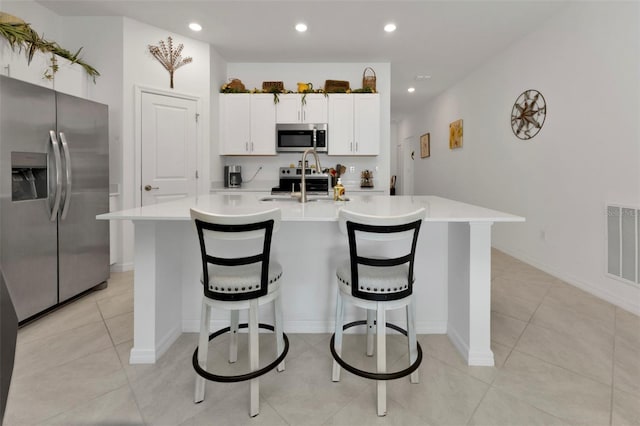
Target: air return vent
x=623, y=240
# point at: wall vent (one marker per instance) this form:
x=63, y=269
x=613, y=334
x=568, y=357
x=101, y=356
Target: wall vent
x=623, y=240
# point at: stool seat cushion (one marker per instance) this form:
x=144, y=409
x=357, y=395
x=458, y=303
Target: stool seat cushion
x=374, y=279
x=241, y=279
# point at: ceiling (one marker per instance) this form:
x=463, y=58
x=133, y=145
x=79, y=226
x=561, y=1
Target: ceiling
x=443, y=39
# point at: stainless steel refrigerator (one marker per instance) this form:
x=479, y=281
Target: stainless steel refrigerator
x=54, y=180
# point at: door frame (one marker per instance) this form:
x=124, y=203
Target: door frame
x=201, y=152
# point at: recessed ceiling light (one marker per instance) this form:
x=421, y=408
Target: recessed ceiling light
x=194, y=26
x=301, y=27
x=411, y=89
x=390, y=28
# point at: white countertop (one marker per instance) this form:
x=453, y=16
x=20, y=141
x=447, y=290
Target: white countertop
x=438, y=209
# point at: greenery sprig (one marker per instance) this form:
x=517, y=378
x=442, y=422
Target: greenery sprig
x=20, y=35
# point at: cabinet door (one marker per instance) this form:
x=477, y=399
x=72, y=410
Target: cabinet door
x=288, y=109
x=340, y=124
x=235, y=117
x=263, y=125
x=314, y=109
x=367, y=124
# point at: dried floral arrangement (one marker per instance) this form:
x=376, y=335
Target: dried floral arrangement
x=170, y=58
x=20, y=35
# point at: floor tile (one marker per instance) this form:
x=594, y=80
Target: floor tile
x=520, y=287
x=554, y=316
x=626, y=369
x=554, y=390
x=117, y=407
x=628, y=326
x=581, y=302
x=304, y=394
x=40, y=396
x=119, y=282
x=506, y=330
x=115, y=305
x=42, y=354
x=500, y=408
x=120, y=328
x=513, y=306
x=626, y=408
x=571, y=351
x=444, y=396
x=234, y=410
x=75, y=314
x=440, y=347
x=362, y=411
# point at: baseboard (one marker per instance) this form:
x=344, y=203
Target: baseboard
x=590, y=288
x=122, y=267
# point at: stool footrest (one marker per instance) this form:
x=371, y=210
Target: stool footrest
x=370, y=375
x=241, y=377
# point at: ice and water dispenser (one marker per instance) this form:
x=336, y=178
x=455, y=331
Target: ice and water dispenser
x=28, y=176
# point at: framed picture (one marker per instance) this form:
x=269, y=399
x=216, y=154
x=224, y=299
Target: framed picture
x=425, y=145
x=455, y=134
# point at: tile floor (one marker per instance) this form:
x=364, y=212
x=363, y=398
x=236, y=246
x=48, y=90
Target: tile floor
x=563, y=357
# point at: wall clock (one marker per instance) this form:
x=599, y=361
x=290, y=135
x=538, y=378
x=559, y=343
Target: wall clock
x=528, y=114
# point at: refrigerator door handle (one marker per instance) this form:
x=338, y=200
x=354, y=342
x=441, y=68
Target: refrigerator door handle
x=67, y=168
x=58, y=186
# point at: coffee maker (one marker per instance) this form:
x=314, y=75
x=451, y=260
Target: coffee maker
x=232, y=176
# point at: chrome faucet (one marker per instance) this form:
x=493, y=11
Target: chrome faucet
x=303, y=184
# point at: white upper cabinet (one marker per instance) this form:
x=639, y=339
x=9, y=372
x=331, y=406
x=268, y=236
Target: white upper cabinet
x=300, y=108
x=70, y=78
x=354, y=124
x=247, y=124
x=14, y=64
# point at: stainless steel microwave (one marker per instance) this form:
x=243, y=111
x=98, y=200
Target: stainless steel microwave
x=299, y=137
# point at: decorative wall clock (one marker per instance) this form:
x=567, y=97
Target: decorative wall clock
x=528, y=114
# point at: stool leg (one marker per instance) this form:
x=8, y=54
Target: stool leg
x=381, y=353
x=277, y=315
x=411, y=334
x=203, y=348
x=254, y=358
x=233, y=336
x=370, y=329
x=338, y=336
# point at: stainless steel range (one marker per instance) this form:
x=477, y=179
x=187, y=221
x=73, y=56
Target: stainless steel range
x=291, y=177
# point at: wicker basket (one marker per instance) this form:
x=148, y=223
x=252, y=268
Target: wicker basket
x=369, y=81
x=272, y=86
x=336, y=86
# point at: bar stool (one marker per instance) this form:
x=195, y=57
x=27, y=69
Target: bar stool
x=378, y=284
x=234, y=284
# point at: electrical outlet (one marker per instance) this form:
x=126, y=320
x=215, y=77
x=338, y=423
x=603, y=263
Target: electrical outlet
x=352, y=169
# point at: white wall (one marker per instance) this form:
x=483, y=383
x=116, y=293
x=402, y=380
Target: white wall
x=218, y=78
x=586, y=63
x=141, y=69
x=253, y=74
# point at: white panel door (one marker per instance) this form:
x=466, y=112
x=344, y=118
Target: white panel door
x=169, y=148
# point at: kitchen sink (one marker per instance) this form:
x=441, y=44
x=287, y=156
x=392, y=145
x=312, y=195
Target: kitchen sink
x=292, y=199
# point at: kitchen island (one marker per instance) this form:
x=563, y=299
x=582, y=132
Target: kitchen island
x=452, y=269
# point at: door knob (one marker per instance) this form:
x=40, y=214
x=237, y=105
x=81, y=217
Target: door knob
x=149, y=187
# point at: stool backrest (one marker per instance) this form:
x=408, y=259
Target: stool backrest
x=217, y=229
x=382, y=229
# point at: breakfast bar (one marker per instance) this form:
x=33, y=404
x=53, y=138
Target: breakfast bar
x=453, y=267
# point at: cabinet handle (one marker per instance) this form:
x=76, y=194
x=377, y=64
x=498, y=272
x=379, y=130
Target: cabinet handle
x=351, y=146
x=299, y=116
x=304, y=115
x=251, y=146
x=356, y=146
x=246, y=146
x=149, y=187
